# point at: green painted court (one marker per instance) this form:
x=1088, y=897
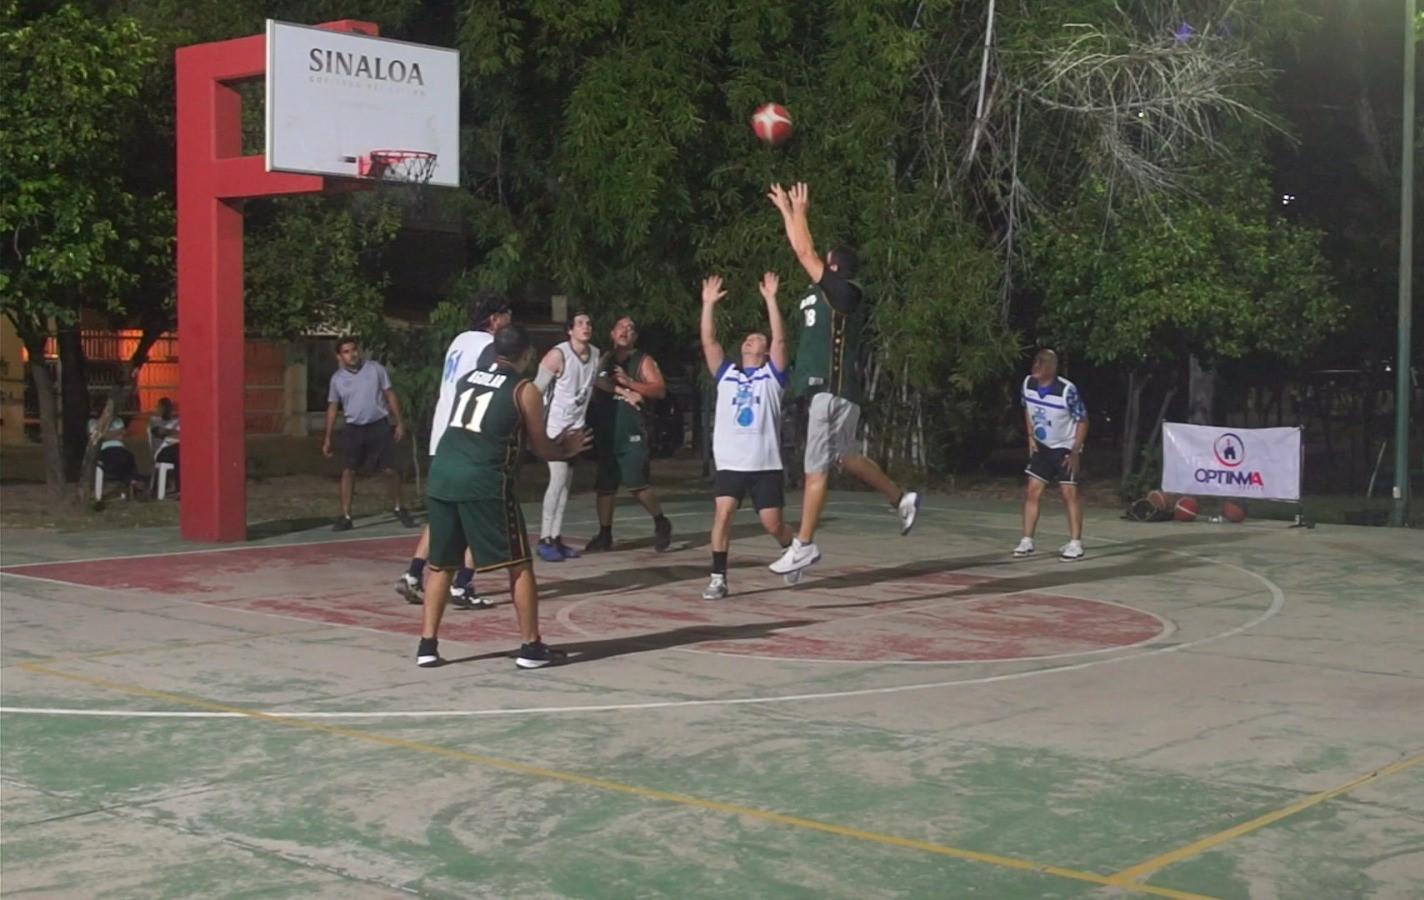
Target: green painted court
x=1193, y=710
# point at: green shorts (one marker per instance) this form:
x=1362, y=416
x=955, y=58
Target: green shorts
x=493, y=530
x=625, y=465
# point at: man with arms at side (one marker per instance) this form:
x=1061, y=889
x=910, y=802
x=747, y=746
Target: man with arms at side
x=361, y=389
x=488, y=313
x=827, y=369
x=565, y=379
x=627, y=379
x=1057, y=424
x=746, y=430
x=471, y=492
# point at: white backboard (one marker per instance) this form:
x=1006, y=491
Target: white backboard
x=334, y=96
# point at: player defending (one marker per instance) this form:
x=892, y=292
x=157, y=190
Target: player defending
x=627, y=379
x=569, y=369
x=488, y=314
x=746, y=435
x=1057, y=425
x=471, y=492
x=827, y=360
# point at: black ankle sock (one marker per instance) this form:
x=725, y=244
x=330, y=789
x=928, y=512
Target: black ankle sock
x=719, y=562
x=464, y=577
x=660, y=519
x=417, y=568
x=605, y=531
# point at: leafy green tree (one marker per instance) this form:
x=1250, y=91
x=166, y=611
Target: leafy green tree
x=78, y=234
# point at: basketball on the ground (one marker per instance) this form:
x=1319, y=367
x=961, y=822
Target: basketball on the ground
x=1185, y=510
x=1233, y=512
x=1157, y=499
x=771, y=123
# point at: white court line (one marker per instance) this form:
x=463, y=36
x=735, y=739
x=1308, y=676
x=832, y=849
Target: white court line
x=1276, y=605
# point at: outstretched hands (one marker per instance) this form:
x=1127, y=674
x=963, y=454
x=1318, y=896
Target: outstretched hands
x=788, y=202
x=712, y=290
x=769, y=283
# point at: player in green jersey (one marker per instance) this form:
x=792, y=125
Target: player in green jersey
x=627, y=379
x=827, y=368
x=470, y=493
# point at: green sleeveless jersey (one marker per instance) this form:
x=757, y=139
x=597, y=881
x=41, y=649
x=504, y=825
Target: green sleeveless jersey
x=615, y=422
x=827, y=349
x=478, y=455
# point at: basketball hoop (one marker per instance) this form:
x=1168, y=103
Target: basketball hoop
x=410, y=167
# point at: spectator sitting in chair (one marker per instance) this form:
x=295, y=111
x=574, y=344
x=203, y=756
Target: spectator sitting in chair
x=115, y=459
x=163, y=439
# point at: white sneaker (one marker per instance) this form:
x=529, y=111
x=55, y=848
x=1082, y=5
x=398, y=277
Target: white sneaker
x=908, y=509
x=1025, y=548
x=1071, y=551
x=409, y=588
x=716, y=587
x=798, y=556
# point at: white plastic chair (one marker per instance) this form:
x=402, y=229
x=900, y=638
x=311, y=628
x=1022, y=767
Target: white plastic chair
x=158, y=482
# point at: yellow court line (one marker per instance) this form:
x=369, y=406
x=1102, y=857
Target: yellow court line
x=1129, y=877
x=1006, y=862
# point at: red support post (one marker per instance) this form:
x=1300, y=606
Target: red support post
x=213, y=179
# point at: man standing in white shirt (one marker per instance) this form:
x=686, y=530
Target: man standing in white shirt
x=746, y=435
x=1057, y=425
x=489, y=313
x=565, y=379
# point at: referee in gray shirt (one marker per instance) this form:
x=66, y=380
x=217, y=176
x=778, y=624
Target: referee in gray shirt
x=362, y=390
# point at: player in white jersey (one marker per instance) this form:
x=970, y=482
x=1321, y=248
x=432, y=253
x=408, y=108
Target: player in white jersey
x=489, y=313
x=566, y=376
x=1057, y=423
x=746, y=428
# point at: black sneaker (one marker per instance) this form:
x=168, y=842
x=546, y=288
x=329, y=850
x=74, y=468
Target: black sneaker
x=468, y=598
x=600, y=544
x=537, y=655
x=342, y=524
x=428, y=654
x=662, y=534
x=404, y=517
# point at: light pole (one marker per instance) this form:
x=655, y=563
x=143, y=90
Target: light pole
x=1403, y=390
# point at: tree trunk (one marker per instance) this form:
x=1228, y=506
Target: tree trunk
x=49, y=416
x=1201, y=393
x=1131, y=417
x=118, y=397
x=74, y=399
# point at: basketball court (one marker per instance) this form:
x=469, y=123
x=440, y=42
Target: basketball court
x=1194, y=710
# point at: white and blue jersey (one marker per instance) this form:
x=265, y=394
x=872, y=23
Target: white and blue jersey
x=746, y=434
x=1054, y=410
x=464, y=355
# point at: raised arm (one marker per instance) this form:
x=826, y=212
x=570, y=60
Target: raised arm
x=531, y=410
x=769, y=283
x=711, y=350
x=792, y=206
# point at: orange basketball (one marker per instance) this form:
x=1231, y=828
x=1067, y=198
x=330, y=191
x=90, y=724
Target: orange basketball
x=1158, y=500
x=1185, y=510
x=771, y=123
x=1233, y=512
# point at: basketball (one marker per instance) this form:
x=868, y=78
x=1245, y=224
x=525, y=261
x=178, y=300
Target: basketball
x=771, y=123
x=1233, y=512
x=1157, y=499
x=1185, y=510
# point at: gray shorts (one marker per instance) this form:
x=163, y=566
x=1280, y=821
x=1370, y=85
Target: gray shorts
x=830, y=432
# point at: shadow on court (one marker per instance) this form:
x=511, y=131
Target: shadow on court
x=590, y=651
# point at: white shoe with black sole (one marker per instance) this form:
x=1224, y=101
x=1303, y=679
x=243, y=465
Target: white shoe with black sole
x=1024, y=549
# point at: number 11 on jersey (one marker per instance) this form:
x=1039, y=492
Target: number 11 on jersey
x=481, y=407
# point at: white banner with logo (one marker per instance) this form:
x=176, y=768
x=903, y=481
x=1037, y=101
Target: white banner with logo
x=1231, y=462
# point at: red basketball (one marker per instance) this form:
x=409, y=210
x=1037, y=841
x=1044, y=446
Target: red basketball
x=1158, y=500
x=1233, y=512
x=1185, y=510
x=771, y=123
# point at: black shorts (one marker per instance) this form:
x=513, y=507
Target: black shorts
x=1050, y=465
x=766, y=487
x=118, y=464
x=369, y=446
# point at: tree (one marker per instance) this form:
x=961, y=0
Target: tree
x=77, y=234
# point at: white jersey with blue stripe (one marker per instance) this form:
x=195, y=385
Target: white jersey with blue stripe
x=1054, y=410
x=746, y=434
x=461, y=358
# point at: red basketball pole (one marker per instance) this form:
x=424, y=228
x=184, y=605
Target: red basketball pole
x=213, y=180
